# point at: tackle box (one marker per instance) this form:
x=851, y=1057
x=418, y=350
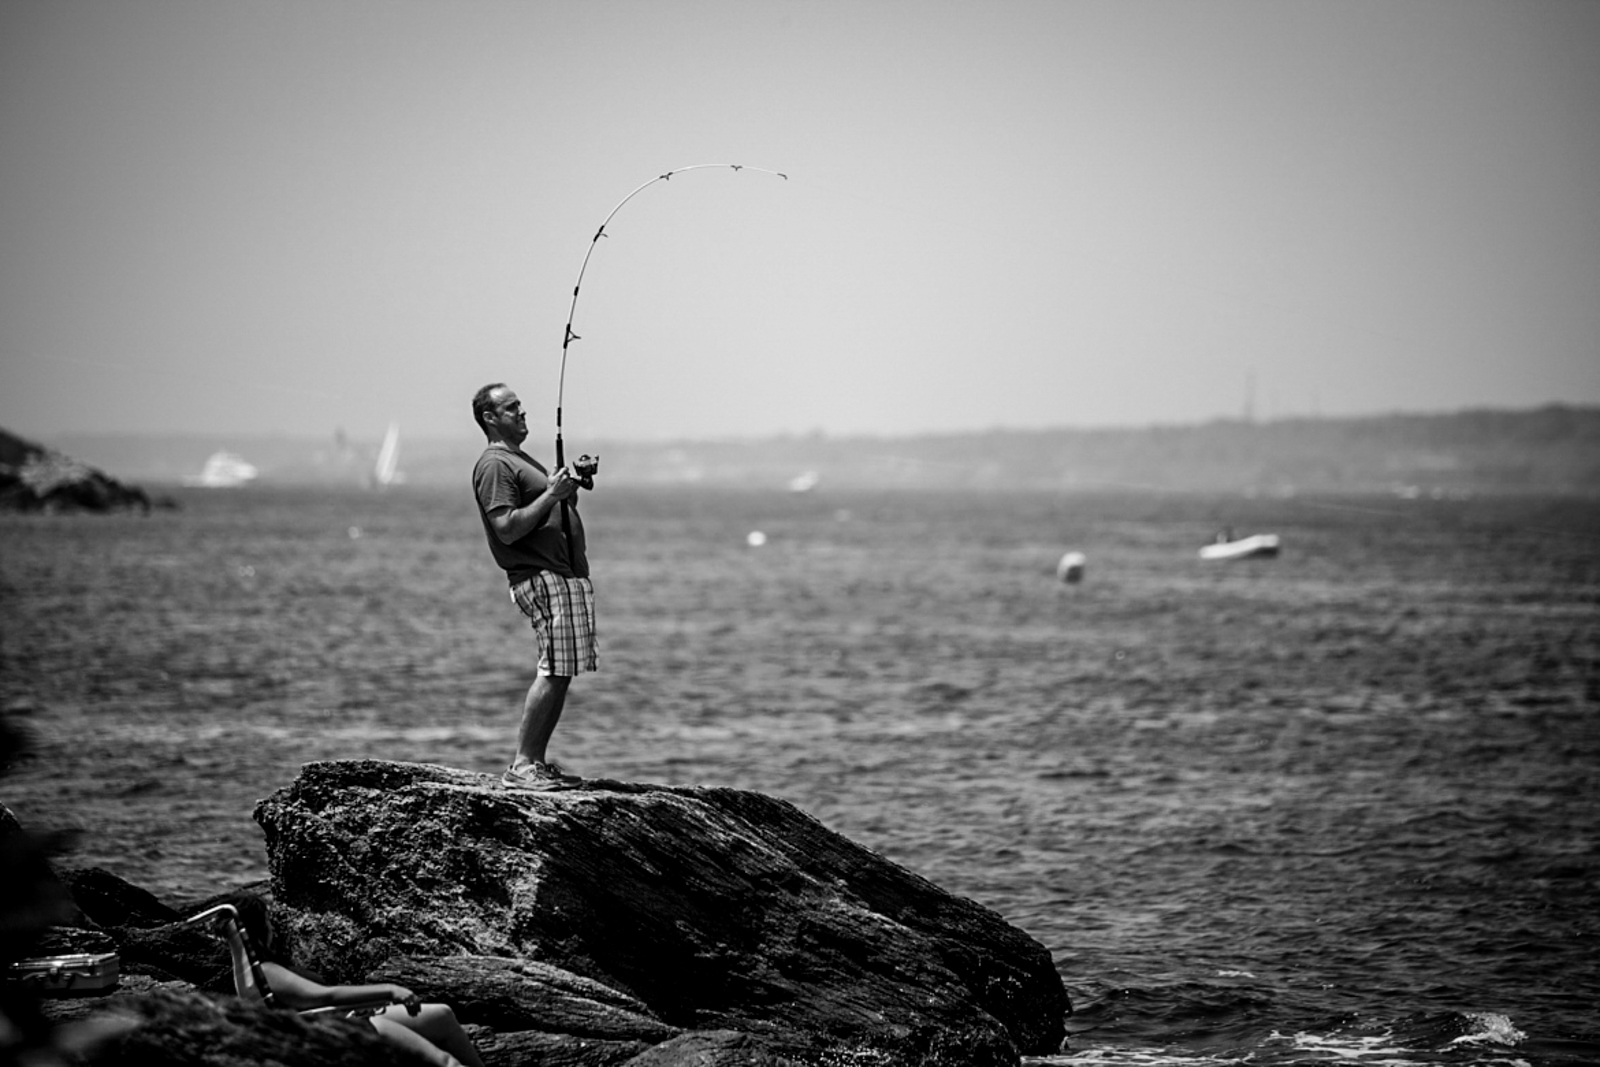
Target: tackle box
x=81, y=972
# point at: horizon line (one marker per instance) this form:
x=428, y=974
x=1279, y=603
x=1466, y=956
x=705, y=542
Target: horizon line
x=820, y=434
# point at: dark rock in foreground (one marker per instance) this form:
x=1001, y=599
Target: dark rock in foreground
x=727, y=924
x=35, y=478
x=114, y=902
x=615, y=925
x=177, y=1028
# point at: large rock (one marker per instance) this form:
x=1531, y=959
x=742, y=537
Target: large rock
x=729, y=916
x=180, y=1028
x=35, y=478
x=109, y=900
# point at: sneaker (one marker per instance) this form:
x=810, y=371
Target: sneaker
x=561, y=772
x=540, y=777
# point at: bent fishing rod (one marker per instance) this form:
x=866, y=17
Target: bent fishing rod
x=588, y=464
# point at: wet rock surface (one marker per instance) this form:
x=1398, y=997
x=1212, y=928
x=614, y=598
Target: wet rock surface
x=612, y=924
x=714, y=909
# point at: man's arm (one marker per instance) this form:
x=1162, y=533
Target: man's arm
x=300, y=993
x=512, y=523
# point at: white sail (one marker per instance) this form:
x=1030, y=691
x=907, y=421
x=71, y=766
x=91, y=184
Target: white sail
x=387, y=471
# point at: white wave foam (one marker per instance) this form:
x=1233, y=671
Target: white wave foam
x=1129, y=1057
x=1490, y=1029
x=1376, y=1049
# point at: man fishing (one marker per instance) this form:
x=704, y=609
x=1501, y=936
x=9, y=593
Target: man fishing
x=530, y=516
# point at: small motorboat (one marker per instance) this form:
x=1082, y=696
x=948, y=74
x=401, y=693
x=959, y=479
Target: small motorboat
x=804, y=482
x=223, y=470
x=1260, y=546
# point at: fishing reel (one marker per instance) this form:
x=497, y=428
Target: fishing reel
x=584, y=468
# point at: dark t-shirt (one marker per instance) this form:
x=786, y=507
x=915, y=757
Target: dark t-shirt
x=506, y=477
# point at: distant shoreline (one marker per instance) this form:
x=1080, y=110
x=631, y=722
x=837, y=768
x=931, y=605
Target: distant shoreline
x=1553, y=449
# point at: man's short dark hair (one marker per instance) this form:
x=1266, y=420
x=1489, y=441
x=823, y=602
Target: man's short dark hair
x=482, y=403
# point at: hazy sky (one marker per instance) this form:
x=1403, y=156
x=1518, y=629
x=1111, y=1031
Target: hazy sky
x=307, y=216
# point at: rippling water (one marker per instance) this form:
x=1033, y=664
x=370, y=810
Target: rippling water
x=1341, y=806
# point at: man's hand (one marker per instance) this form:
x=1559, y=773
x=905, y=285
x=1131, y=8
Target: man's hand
x=563, y=485
x=510, y=523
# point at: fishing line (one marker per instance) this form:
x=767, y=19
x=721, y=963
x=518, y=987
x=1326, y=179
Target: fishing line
x=568, y=336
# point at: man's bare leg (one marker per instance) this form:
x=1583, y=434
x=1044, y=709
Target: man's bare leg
x=541, y=710
x=435, y=1022
x=414, y=1042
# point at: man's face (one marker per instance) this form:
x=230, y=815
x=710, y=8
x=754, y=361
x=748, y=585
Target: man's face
x=506, y=418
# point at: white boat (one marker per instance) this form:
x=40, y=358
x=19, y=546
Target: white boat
x=387, y=471
x=804, y=483
x=223, y=470
x=1261, y=546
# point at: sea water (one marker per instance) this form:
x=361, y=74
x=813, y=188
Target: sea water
x=1341, y=806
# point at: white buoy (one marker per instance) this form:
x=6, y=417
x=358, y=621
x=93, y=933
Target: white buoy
x=1070, y=569
x=755, y=539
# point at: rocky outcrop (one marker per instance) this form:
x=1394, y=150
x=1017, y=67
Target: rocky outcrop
x=115, y=902
x=35, y=478
x=615, y=924
x=691, y=910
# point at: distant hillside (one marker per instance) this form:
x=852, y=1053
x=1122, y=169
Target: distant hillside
x=1553, y=449
x=35, y=478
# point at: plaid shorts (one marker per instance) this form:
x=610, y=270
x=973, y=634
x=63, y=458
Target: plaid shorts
x=562, y=613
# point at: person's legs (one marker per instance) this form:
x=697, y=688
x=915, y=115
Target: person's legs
x=541, y=710
x=561, y=611
x=436, y=1027
x=396, y=1034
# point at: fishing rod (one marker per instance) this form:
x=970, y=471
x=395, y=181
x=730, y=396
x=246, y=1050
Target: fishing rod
x=585, y=466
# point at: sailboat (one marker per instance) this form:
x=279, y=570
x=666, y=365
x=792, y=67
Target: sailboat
x=387, y=471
